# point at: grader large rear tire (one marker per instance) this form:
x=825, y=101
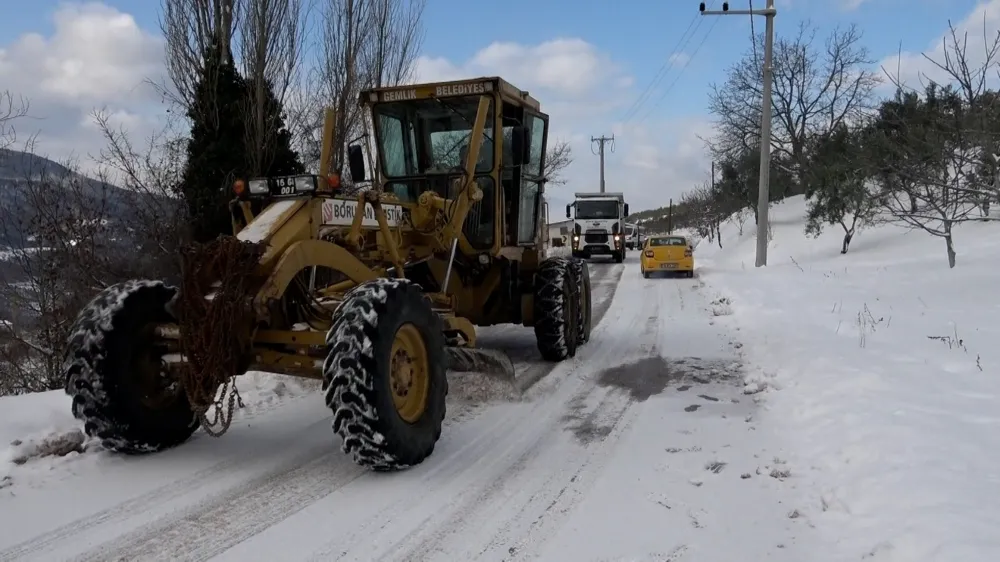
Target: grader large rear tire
x=555, y=307
x=114, y=372
x=384, y=375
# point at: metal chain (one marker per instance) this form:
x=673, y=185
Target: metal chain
x=223, y=422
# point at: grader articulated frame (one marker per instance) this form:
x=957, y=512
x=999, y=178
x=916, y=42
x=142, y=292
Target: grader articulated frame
x=376, y=291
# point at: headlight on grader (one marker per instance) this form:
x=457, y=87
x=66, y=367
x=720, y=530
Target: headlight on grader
x=258, y=187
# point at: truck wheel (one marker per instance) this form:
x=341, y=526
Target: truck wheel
x=619, y=256
x=555, y=308
x=114, y=371
x=584, y=305
x=384, y=375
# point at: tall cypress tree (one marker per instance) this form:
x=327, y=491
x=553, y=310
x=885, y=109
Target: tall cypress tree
x=216, y=151
x=215, y=155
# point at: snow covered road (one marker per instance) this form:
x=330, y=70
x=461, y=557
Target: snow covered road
x=642, y=447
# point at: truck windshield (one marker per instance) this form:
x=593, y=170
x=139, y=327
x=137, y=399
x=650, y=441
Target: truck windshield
x=417, y=137
x=596, y=209
x=629, y=229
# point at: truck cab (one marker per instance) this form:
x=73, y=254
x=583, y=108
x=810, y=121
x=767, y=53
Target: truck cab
x=598, y=224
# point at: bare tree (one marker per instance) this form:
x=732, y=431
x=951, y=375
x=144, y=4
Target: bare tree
x=270, y=47
x=157, y=221
x=813, y=91
x=363, y=44
x=10, y=110
x=558, y=157
x=937, y=146
x=393, y=42
x=63, y=247
x=191, y=29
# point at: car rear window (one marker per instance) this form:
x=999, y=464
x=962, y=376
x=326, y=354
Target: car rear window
x=670, y=241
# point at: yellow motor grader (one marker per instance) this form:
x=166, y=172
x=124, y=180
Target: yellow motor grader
x=375, y=291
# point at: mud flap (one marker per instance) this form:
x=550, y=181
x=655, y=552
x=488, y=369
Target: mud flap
x=490, y=362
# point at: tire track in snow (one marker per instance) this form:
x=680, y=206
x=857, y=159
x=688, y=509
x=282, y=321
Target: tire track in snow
x=191, y=485
x=523, y=433
x=430, y=533
x=452, y=480
x=263, y=500
x=531, y=512
x=221, y=521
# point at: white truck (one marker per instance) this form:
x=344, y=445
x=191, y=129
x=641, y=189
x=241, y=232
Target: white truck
x=598, y=224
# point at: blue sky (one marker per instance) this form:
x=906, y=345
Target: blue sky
x=637, y=36
x=637, y=33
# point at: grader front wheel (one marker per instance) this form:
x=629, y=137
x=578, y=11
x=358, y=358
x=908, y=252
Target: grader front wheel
x=384, y=376
x=409, y=373
x=115, y=376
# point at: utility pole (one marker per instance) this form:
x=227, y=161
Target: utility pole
x=601, y=141
x=763, y=195
x=670, y=218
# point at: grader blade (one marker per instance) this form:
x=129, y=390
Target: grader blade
x=487, y=361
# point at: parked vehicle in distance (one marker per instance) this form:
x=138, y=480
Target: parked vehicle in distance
x=668, y=253
x=631, y=236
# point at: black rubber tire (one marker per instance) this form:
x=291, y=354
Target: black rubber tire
x=585, y=311
x=99, y=368
x=555, y=303
x=645, y=274
x=619, y=256
x=356, y=375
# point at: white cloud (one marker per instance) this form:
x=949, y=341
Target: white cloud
x=913, y=69
x=584, y=90
x=96, y=57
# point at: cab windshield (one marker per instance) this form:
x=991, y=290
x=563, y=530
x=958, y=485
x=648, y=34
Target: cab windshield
x=431, y=136
x=596, y=209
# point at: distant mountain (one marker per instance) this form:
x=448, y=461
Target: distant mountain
x=28, y=180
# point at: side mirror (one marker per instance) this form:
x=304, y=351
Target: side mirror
x=567, y=211
x=626, y=209
x=356, y=162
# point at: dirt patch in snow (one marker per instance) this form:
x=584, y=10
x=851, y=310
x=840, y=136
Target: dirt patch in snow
x=54, y=445
x=651, y=376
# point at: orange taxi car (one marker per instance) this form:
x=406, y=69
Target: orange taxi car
x=667, y=253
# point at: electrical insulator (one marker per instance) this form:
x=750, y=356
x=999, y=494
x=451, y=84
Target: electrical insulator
x=725, y=6
x=701, y=7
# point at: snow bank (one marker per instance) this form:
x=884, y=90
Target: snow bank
x=883, y=368
x=38, y=433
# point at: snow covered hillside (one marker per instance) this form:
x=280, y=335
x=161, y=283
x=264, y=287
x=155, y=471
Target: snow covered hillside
x=882, y=367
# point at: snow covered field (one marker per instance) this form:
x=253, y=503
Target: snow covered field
x=883, y=365
x=826, y=408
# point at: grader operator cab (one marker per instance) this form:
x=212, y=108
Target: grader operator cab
x=376, y=292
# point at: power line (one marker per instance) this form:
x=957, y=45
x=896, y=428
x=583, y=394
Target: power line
x=681, y=73
x=664, y=68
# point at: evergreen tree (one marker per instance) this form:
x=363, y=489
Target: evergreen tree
x=217, y=153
